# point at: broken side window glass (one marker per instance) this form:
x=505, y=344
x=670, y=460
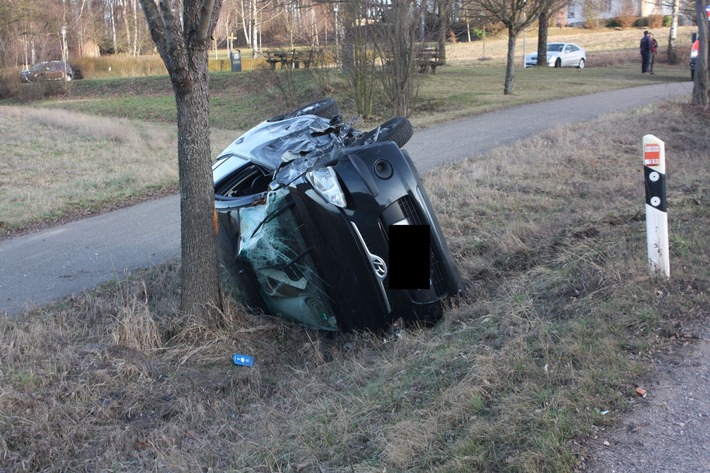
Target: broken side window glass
x=272, y=244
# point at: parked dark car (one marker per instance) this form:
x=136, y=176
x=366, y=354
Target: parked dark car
x=331, y=227
x=48, y=70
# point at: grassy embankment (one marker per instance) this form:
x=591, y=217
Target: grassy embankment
x=561, y=321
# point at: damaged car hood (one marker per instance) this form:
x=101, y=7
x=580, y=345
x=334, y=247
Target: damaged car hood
x=273, y=143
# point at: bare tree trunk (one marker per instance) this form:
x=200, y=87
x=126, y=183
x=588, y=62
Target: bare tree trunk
x=255, y=30
x=184, y=47
x=113, y=26
x=200, y=267
x=397, y=47
x=422, y=20
x=510, y=62
x=673, y=33
x=246, y=25
x=135, y=28
x=700, y=86
x=543, y=26
x=443, y=28
x=126, y=25
x=349, y=27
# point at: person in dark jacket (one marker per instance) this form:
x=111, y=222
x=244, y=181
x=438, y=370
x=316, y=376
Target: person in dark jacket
x=645, y=52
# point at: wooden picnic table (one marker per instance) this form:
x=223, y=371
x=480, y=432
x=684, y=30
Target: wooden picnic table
x=290, y=59
x=277, y=57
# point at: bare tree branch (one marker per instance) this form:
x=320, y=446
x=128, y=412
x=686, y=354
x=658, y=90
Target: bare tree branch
x=206, y=20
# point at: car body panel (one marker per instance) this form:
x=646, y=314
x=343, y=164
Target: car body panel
x=693, y=56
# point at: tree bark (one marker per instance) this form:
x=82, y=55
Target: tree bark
x=443, y=6
x=543, y=26
x=700, y=85
x=126, y=26
x=200, y=268
x=510, y=62
x=673, y=33
x=113, y=27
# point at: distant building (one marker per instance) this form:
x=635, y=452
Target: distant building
x=608, y=9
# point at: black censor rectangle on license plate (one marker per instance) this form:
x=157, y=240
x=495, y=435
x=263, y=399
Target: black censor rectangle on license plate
x=409, y=257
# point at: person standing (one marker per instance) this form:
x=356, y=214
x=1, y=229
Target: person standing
x=645, y=52
x=652, y=56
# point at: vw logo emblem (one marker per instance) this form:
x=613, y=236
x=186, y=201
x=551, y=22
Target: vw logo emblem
x=380, y=266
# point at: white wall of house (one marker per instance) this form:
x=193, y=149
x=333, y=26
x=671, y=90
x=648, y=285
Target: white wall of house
x=607, y=9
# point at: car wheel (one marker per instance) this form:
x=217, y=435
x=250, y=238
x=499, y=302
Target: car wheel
x=324, y=108
x=558, y=63
x=581, y=64
x=397, y=129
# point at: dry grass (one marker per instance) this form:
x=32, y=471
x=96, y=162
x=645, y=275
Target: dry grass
x=58, y=163
x=560, y=319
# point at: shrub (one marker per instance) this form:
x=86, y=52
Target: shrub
x=655, y=21
x=9, y=82
x=120, y=66
x=626, y=21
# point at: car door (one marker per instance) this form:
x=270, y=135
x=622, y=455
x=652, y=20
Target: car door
x=52, y=71
x=571, y=56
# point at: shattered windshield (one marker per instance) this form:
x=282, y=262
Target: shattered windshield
x=272, y=243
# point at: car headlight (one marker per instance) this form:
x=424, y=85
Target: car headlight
x=325, y=182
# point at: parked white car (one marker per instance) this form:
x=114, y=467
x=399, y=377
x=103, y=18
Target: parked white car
x=561, y=55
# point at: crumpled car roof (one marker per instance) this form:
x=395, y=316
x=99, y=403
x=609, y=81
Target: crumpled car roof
x=273, y=143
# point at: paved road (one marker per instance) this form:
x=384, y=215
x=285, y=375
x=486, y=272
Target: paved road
x=49, y=265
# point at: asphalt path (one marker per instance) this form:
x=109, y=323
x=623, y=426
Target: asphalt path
x=46, y=266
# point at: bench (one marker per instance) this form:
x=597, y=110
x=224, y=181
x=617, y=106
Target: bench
x=277, y=57
x=428, y=60
x=290, y=59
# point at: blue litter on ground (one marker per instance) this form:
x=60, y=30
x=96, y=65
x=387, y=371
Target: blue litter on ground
x=242, y=360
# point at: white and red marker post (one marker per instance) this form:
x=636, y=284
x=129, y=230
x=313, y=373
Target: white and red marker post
x=654, y=170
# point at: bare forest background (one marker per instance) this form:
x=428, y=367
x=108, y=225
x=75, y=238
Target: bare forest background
x=33, y=31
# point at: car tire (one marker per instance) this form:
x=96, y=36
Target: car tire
x=397, y=129
x=581, y=64
x=558, y=62
x=324, y=108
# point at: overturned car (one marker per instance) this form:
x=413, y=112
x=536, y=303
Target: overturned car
x=331, y=227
